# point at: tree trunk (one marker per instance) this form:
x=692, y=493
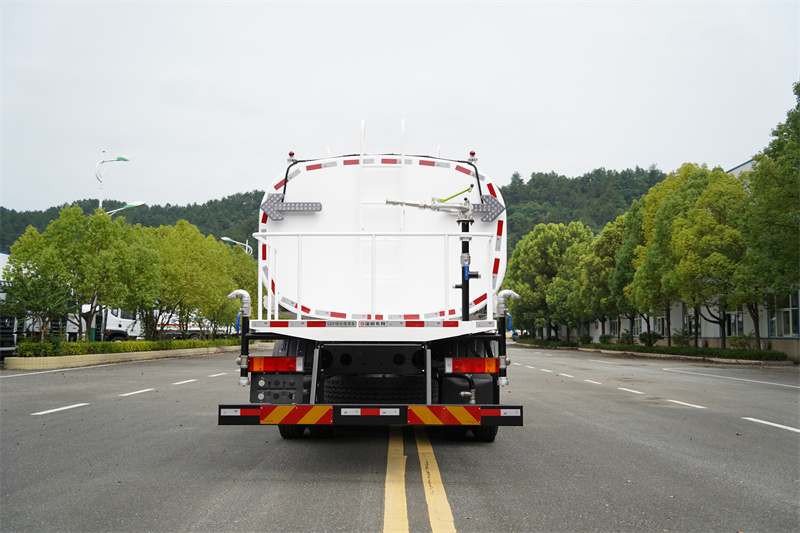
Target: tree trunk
x=669, y=324
x=752, y=309
x=696, y=327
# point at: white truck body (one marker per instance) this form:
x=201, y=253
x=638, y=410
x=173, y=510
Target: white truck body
x=378, y=278
x=363, y=261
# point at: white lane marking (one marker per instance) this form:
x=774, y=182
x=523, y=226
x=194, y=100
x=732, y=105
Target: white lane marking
x=566, y=375
x=688, y=404
x=630, y=390
x=136, y=392
x=517, y=364
x=726, y=377
x=59, y=409
x=599, y=361
x=531, y=367
x=184, y=382
x=543, y=370
x=771, y=424
x=590, y=381
x=218, y=375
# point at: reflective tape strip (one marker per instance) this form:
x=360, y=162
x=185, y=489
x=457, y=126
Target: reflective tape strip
x=318, y=166
x=369, y=323
x=466, y=171
x=296, y=414
x=439, y=415
x=369, y=411
x=479, y=299
x=288, y=178
x=239, y=412
x=499, y=238
x=287, y=301
x=491, y=189
x=263, y=218
x=347, y=162
x=486, y=323
x=403, y=317
x=502, y=412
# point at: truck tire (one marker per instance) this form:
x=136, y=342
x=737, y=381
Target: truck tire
x=378, y=390
x=485, y=433
x=291, y=431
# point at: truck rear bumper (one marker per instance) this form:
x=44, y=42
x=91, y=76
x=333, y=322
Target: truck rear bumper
x=371, y=415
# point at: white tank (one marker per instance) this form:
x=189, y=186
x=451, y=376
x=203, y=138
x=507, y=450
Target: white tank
x=332, y=247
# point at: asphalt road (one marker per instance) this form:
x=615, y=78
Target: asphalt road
x=609, y=444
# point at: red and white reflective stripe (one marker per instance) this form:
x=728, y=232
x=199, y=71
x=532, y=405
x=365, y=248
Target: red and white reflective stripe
x=495, y=271
x=287, y=301
x=367, y=317
x=440, y=164
x=491, y=189
x=403, y=317
x=369, y=411
x=292, y=175
x=436, y=314
x=466, y=171
x=478, y=300
x=365, y=323
x=240, y=412
x=501, y=412
x=318, y=166
x=330, y=314
x=499, y=240
x=348, y=162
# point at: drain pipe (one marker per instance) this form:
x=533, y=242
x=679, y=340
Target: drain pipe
x=502, y=311
x=243, y=359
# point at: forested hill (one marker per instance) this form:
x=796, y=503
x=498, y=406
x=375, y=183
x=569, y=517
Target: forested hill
x=595, y=198
x=234, y=216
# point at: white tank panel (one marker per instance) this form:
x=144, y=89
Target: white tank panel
x=359, y=258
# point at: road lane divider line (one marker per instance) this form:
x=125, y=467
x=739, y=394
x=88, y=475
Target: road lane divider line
x=599, y=361
x=439, y=512
x=688, y=404
x=395, y=509
x=543, y=370
x=771, y=424
x=630, y=390
x=59, y=409
x=590, y=381
x=566, y=375
x=727, y=377
x=517, y=364
x=136, y=392
x=218, y=375
x=184, y=382
x=531, y=367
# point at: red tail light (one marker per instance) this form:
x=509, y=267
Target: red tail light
x=469, y=365
x=274, y=364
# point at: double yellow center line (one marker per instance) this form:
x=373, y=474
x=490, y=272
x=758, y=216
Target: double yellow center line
x=395, y=517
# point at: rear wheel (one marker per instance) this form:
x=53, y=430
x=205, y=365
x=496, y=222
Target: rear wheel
x=291, y=431
x=485, y=433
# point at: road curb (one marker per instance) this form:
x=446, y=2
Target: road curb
x=71, y=361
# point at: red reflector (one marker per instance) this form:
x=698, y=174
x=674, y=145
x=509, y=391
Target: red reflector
x=273, y=364
x=468, y=365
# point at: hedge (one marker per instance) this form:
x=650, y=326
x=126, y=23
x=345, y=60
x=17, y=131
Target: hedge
x=49, y=349
x=723, y=353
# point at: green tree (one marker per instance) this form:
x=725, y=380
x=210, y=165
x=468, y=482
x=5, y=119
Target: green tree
x=533, y=267
x=38, y=287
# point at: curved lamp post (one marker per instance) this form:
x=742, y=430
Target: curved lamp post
x=98, y=173
x=247, y=248
x=132, y=205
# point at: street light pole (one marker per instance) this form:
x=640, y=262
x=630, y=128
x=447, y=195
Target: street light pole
x=98, y=173
x=247, y=248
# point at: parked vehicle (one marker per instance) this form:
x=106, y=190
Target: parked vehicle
x=390, y=267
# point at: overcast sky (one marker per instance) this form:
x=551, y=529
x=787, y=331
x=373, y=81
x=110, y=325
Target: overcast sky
x=207, y=99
